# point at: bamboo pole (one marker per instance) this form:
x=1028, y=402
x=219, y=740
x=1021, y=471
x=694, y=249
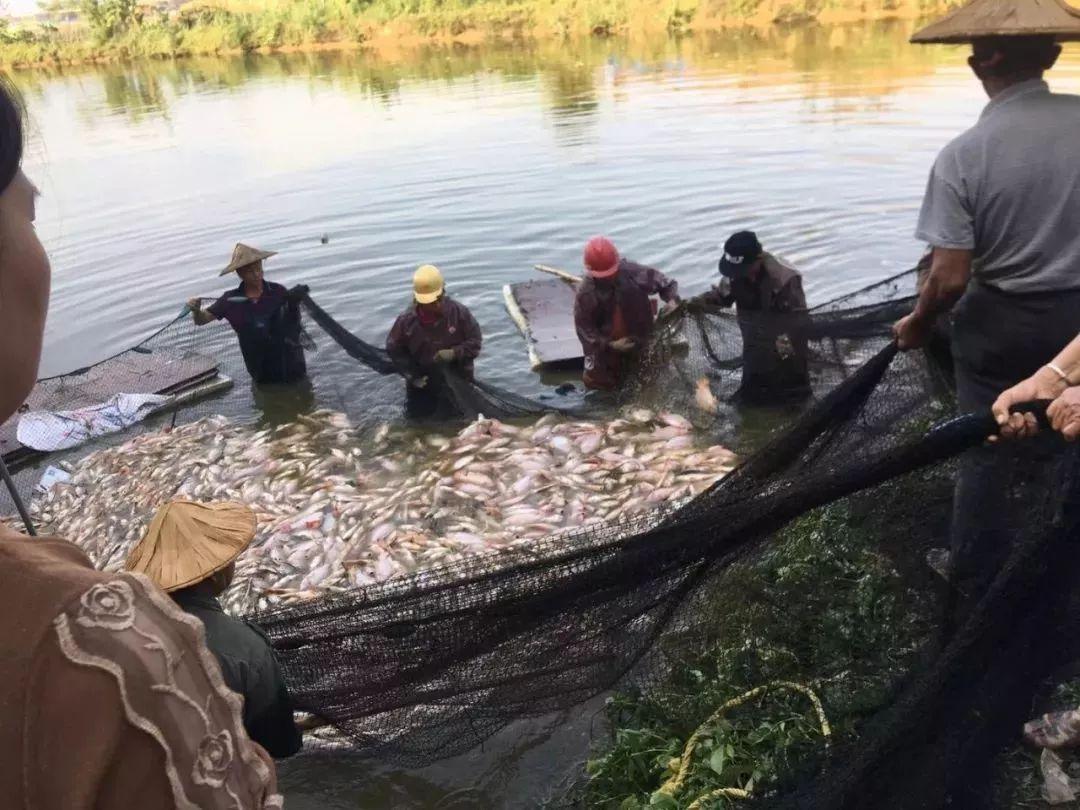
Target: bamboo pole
x=554, y=271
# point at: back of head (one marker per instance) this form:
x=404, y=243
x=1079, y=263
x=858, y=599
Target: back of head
x=1014, y=58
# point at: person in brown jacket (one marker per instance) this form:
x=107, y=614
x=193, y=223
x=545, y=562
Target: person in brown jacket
x=771, y=308
x=434, y=333
x=613, y=312
x=109, y=699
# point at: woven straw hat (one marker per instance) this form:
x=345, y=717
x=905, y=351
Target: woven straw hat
x=243, y=255
x=188, y=542
x=1004, y=18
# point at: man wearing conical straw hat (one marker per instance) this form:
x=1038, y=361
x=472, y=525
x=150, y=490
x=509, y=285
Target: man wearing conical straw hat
x=264, y=315
x=1001, y=214
x=189, y=551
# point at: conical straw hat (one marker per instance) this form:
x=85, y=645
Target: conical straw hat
x=188, y=542
x=243, y=255
x=1004, y=18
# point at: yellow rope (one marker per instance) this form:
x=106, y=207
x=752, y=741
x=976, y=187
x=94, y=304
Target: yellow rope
x=675, y=784
x=720, y=793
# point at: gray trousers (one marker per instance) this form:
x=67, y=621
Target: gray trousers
x=999, y=340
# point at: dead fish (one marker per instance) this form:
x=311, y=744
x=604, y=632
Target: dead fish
x=703, y=397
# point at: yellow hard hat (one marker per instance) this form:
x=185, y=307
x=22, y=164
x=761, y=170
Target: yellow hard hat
x=427, y=284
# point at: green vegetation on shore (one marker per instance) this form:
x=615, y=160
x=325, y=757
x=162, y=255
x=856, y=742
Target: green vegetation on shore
x=838, y=603
x=102, y=30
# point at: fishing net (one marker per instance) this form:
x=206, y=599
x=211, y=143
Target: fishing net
x=426, y=666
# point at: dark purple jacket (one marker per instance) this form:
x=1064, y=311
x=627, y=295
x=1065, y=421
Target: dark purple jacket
x=412, y=346
x=268, y=330
x=594, y=307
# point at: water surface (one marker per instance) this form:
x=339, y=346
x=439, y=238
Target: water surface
x=484, y=161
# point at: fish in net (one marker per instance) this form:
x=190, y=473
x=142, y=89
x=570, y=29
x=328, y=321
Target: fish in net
x=420, y=668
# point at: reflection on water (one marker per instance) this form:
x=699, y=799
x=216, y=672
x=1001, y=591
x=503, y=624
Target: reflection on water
x=483, y=160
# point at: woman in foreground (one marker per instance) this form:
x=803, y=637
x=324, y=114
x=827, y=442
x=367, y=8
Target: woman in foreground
x=108, y=695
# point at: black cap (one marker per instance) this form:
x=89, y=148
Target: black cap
x=740, y=251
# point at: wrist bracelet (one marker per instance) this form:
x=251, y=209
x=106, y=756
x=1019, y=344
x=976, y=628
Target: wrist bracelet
x=1057, y=370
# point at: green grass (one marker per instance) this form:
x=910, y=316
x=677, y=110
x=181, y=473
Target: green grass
x=120, y=29
x=830, y=607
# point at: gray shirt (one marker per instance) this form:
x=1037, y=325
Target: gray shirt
x=1008, y=189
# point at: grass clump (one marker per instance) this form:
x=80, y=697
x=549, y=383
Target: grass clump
x=827, y=607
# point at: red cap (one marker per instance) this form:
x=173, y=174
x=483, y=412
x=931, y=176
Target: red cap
x=601, y=257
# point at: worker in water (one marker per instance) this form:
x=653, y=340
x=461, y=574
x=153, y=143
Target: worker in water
x=613, y=312
x=265, y=317
x=771, y=307
x=434, y=333
x=189, y=551
x=1000, y=212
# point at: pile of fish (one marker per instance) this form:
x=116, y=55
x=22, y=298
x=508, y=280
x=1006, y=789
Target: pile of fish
x=339, y=508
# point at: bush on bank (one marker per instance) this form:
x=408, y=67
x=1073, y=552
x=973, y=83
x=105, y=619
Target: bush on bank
x=90, y=30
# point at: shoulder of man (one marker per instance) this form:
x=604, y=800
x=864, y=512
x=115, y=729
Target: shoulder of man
x=585, y=289
x=632, y=268
x=405, y=319
x=256, y=630
x=779, y=270
x=452, y=305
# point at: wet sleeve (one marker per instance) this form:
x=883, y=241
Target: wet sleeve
x=794, y=317
x=469, y=348
x=128, y=709
x=656, y=283
x=791, y=297
x=667, y=288
x=592, y=340
x=397, y=348
x=946, y=219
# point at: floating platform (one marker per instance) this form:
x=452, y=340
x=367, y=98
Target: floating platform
x=186, y=377
x=544, y=313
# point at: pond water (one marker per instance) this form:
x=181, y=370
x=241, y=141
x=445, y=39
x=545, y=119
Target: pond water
x=485, y=161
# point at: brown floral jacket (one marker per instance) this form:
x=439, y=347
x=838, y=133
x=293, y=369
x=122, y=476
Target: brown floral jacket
x=108, y=696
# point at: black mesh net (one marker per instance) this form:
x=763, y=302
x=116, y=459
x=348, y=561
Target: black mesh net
x=428, y=664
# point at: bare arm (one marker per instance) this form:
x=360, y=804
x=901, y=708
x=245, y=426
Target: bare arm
x=949, y=277
x=950, y=273
x=198, y=314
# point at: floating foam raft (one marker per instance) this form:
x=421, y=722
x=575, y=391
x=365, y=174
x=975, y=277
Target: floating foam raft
x=544, y=313
x=183, y=376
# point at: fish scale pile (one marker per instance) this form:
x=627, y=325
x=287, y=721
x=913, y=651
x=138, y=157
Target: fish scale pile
x=339, y=508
